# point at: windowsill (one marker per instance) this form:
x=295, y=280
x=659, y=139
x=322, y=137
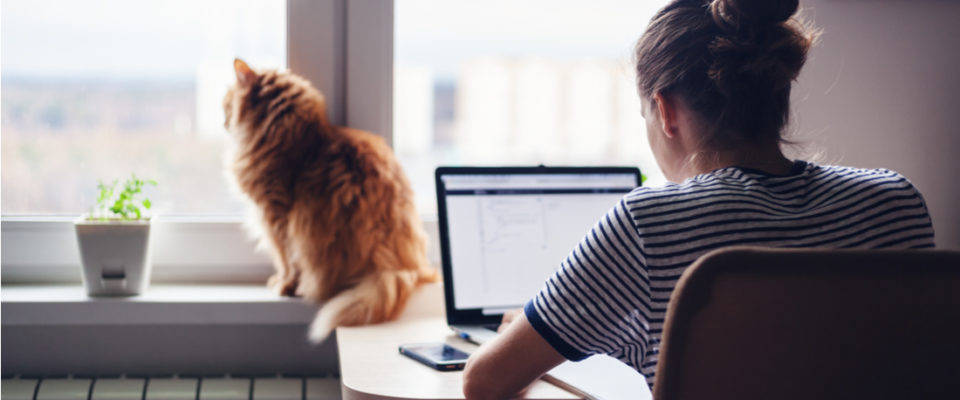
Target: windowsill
x=31, y=305
x=202, y=250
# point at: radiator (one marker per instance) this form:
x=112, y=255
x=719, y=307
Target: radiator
x=170, y=388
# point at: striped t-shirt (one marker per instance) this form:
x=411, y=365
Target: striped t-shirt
x=610, y=295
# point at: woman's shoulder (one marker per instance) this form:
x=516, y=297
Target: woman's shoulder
x=866, y=179
x=671, y=195
x=808, y=179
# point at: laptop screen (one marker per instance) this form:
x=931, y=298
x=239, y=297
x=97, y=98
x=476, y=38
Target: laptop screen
x=505, y=231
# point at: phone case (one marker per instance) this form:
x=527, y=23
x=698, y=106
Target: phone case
x=437, y=365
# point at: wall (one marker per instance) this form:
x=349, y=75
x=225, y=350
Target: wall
x=51, y=350
x=881, y=90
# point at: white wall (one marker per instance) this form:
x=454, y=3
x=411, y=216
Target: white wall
x=881, y=90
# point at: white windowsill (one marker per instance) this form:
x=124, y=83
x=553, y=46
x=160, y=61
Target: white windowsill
x=31, y=305
x=194, y=249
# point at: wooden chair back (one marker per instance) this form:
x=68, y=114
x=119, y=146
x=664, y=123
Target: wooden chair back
x=754, y=323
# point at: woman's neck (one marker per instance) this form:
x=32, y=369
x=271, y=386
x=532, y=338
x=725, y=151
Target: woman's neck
x=768, y=159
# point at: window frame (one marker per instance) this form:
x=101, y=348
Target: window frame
x=326, y=39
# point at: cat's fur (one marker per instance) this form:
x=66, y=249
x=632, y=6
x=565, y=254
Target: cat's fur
x=336, y=209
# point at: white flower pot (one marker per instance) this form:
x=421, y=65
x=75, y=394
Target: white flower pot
x=115, y=256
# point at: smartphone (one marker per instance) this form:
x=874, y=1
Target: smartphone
x=439, y=356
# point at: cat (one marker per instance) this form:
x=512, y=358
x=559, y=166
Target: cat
x=334, y=207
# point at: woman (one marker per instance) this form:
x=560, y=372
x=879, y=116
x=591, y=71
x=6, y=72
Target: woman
x=714, y=79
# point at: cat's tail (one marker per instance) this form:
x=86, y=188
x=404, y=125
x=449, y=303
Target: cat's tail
x=380, y=297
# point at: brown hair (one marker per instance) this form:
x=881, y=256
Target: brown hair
x=731, y=61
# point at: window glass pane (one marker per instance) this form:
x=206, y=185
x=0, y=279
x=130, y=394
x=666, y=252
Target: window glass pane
x=503, y=82
x=98, y=89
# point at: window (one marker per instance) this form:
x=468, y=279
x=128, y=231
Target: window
x=160, y=46
x=98, y=89
x=505, y=82
x=123, y=86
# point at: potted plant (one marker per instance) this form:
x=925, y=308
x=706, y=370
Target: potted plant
x=114, y=240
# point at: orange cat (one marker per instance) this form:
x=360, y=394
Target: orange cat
x=335, y=208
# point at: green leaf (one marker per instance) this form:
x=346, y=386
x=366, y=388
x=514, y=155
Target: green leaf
x=124, y=202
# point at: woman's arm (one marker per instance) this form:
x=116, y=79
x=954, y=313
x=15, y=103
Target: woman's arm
x=505, y=366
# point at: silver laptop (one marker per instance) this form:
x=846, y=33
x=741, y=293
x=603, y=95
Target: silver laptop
x=504, y=231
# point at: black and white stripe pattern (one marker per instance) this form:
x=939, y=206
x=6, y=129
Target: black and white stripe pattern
x=610, y=295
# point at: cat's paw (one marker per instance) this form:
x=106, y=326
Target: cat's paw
x=289, y=289
x=282, y=287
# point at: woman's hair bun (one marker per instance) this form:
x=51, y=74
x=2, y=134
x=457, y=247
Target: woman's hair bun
x=737, y=14
x=759, y=44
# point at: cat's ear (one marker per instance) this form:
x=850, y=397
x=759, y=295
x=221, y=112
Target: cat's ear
x=245, y=75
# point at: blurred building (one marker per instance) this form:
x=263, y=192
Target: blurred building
x=528, y=110
x=519, y=111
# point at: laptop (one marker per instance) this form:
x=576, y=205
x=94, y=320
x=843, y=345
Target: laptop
x=504, y=231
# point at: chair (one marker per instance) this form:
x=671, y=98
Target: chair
x=753, y=323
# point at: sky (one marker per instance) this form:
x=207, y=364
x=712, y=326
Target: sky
x=135, y=39
x=167, y=39
x=444, y=33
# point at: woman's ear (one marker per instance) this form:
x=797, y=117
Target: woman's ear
x=667, y=109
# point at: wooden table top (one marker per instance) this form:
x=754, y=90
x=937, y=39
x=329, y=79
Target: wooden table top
x=372, y=368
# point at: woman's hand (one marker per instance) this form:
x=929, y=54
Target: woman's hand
x=505, y=366
x=508, y=317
